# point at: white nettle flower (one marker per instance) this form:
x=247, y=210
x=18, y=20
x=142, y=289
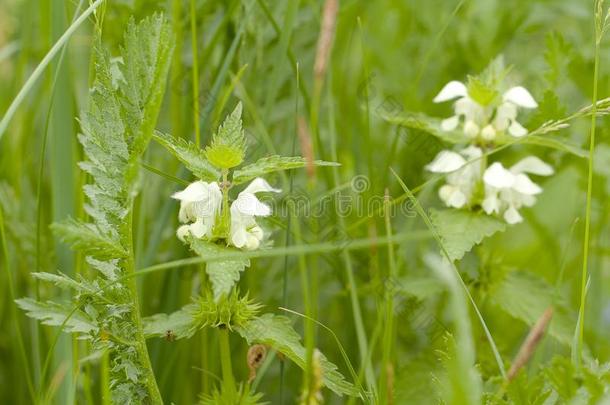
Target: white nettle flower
x=200, y=203
x=462, y=176
x=245, y=233
x=477, y=118
x=475, y=115
x=506, y=114
x=507, y=190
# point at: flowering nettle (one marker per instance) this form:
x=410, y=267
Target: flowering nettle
x=482, y=118
x=485, y=120
x=201, y=210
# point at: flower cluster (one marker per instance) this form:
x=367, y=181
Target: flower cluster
x=203, y=213
x=470, y=183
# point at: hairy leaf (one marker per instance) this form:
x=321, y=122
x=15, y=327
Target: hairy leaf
x=229, y=142
x=188, y=153
x=223, y=274
x=88, y=239
x=179, y=324
x=53, y=314
x=526, y=297
x=276, y=331
x=460, y=230
x=272, y=164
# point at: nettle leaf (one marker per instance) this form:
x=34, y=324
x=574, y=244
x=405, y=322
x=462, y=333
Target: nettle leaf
x=525, y=296
x=88, y=238
x=228, y=146
x=224, y=274
x=460, y=230
x=272, y=164
x=179, y=324
x=54, y=314
x=424, y=123
x=147, y=56
x=63, y=281
x=190, y=155
x=277, y=332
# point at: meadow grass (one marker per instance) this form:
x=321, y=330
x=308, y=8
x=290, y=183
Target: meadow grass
x=359, y=263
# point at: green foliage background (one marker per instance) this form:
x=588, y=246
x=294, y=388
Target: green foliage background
x=389, y=57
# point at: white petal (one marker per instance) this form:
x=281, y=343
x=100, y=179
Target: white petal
x=183, y=231
x=471, y=129
x=453, y=89
x=512, y=216
x=450, y=124
x=199, y=228
x=260, y=185
x=239, y=237
x=446, y=161
x=248, y=204
x=521, y=97
x=532, y=164
x=195, y=191
x=452, y=196
x=488, y=133
x=471, y=152
x=491, y=204
x=497, y=176
x=524, y=185
x=517, y=130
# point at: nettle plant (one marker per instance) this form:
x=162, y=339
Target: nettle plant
x=117, y=126
x=220, y=225
x=485, y=115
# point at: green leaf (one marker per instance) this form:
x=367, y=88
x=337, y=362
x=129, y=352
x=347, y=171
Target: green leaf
x=223, y=274
x=53, y=314
x=181, y=324
x=277, y=332
x=228, y=146
x=272, y=164
x=147, y=56
x=190, y=155
x=526, y=296
x=460, y=230
x=88, y=239
x=424, y=123
x=64, y=282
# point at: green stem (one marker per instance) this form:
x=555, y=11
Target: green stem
x=195, y=74
x=225, y=359
x=140, y=344
x=585, y=260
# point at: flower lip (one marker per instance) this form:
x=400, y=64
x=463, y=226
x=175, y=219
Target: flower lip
x=445, y=162
x=520, y=96
x=499, y=177
x=533, y=165
x=196, y=191
x=452, y=90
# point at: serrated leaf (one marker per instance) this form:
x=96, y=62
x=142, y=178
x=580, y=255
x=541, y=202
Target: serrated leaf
x=526, y=296
x=277, y=331
x=53, y=314
x=181, y=323
x=460, y=230
x=424, y=123
x=190, y=155
x=272, y=164
x=63, y=281
x=88, y=239
x=228, y=146
x=147, y=55
x=223, y=274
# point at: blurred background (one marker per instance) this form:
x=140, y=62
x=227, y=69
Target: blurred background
x=388, y=57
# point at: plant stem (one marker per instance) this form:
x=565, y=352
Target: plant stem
x=225, y=359
x=585, y=260
x=151, y=383
x=195, y=74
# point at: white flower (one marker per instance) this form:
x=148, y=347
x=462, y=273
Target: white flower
x=462, y=175
x=199, y=203
x=509, y=190
x=475, y=115
x=245, y=233
x=506, y=113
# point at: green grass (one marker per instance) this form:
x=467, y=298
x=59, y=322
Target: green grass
x=367, y=287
